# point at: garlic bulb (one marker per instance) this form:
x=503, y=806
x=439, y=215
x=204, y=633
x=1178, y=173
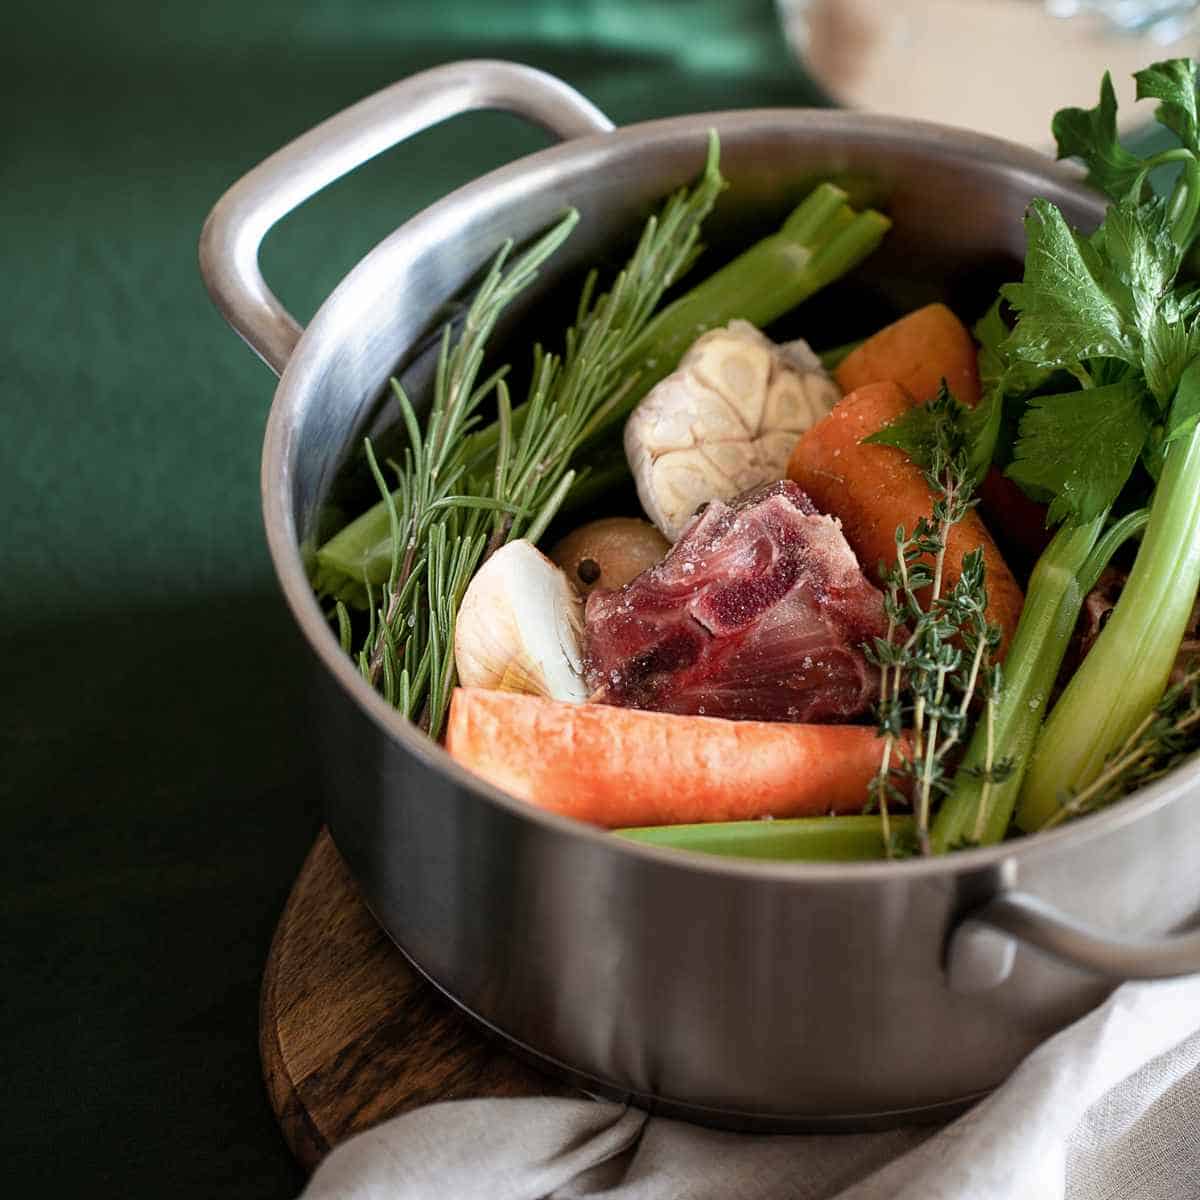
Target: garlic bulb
x=725, y=420
x=519, y=627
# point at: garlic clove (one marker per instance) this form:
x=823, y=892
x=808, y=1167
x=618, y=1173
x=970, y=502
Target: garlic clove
x=520, y=627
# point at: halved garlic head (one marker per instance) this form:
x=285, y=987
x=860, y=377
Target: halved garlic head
x=520, y=627
x=724, y=421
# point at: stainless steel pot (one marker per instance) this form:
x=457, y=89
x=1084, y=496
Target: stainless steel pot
x=774, y=995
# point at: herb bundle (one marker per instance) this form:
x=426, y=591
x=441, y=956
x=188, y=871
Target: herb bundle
x=938, y=654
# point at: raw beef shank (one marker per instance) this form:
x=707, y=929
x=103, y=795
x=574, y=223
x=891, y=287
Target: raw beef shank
x=758, y=612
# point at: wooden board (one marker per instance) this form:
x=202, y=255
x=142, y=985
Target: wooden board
x=350, y=1034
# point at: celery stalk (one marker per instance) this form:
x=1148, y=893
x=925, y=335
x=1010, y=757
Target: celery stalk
x=976, y=811
x=1126, y=671
x=770, y=279
x=805, y=839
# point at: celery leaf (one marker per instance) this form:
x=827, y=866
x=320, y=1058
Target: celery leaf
x=1091, y=134
x=1174, y=83
x=1067, y=313
x=999, y=372
x=1081, y=447
x=1185, y=409
x=1140, y=260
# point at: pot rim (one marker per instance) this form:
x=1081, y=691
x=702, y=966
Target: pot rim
x=927, y=138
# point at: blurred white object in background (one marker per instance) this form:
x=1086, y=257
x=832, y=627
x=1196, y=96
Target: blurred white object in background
x=999, y=66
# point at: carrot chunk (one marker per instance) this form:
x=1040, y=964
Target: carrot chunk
x=917, y=352
x=619, y=767
x=873, y=489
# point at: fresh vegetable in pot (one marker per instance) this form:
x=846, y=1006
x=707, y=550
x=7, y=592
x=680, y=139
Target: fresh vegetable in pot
x=872, y=488
x=624, y=766
x=827, y=839
x=920, y=352
x=519, y=627
x=609, y=553
x=691, y=690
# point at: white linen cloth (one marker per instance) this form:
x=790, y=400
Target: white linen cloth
x=1109, y=1109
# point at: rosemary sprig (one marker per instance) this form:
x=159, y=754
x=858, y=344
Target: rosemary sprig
x=453, y=504
x=434, y=465
x=936, y=656
x=1161, y=741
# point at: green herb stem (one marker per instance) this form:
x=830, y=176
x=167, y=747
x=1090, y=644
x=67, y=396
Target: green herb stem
x=1115, y=536
x=1126, y=671
x=1183, y=207
x=801, y=839
x=978, y=809
x=944, y=658
x=813, y=214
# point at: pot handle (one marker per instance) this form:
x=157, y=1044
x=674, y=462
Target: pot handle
x=981, y=949
x=240, y=220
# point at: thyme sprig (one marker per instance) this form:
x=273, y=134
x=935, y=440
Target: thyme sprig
x=937, y=655
x=1162, y=740
x=456, y=500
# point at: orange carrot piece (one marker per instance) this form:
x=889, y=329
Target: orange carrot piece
x=618, y=767
x=917, y=352
x=872, y=489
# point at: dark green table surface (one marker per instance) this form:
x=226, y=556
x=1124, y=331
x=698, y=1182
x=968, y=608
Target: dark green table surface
x=155, y=772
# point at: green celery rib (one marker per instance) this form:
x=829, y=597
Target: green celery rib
x=768, y=280
x=803, y=839
x=1126, y=671
x=822, y=240
x=1052, y=605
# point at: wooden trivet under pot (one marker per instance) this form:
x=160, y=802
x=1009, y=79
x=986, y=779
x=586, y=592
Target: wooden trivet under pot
x=350, y=1034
